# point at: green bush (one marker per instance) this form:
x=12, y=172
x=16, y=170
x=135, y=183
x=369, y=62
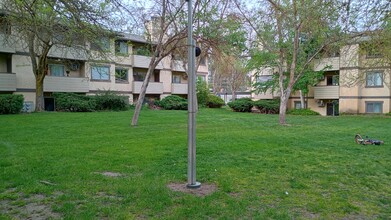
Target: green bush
x=388, y=114
x=11, y=104
x=172, y=102
x=110, y=101
x=268, y=106
x=302, y=112
x=241, y=105
x=71, y=102
x=202, y=93
x=214, y=101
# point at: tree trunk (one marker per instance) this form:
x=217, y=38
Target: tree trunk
x=143, y=91
x=283, y=107
x=39, y=98
x=302, y=101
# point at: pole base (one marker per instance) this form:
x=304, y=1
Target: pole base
x=194, y=186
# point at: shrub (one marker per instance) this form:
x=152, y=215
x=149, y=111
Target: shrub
x=110, y=101
x=268, y=106
x=214, y=101
x=302, y=112
x=202, y=93
x=11, y=104
x=241, y=105
x=71, y=102
x=388, y=114
x=172, y=102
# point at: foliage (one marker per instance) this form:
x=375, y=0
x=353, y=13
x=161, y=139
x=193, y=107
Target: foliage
x=109, y=100
x=172, y=102
x=72, y=102
x=268, y=106
x=214, y=101
x=302, y=112
x=202, y=91
x=11, y=104
x=241, y=105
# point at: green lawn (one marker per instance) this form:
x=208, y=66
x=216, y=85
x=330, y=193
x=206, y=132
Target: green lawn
x=51, y=166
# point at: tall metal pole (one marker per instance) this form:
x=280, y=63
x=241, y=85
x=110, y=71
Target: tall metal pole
x=192, y=108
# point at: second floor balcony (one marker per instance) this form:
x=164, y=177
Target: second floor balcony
x=66, y=84
x=179, y=88
x=143, y=62
x=326, y=92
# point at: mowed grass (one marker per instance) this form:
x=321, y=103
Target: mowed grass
x=311, y=169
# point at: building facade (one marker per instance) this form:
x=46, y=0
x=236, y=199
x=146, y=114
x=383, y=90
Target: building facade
x=356, y=81
x=122, y=70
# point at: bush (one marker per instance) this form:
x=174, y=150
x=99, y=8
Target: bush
x=71, y=102
x=11, y=104
x=268, y=106
x=214, y=101
x=110, y=101
x=202, y=93
x=302, y=112
x=241, y=105
x=172, y=102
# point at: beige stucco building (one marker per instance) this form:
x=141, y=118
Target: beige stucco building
x=355, y=82
x=122, y=70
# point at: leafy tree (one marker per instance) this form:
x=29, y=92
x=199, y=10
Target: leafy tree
x=46, y=24
x=291, y=34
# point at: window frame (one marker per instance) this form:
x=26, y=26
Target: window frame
x=367, y=103
x=371, y=73
x=56, y=65
x=119, y=80
x=176, y=77
x=118, y=47
x=100, y=66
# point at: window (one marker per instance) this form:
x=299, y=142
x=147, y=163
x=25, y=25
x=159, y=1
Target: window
x=374, y=79
x=56, y=70
x=101, y=44
x=176, y=79
x=121, y=47
x=100, y=73
x=373, y=52
x=121, y=75
x=374, y=107
x=297, y=105
x=5, y=27
x=203, y=61
x=333, y=80
x=138, y=76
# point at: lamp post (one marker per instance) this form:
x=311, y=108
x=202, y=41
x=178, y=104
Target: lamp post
x=192, y=107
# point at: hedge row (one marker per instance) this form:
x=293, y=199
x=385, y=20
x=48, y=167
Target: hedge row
x=71, y=102
x=11, y=104
x=246, y=104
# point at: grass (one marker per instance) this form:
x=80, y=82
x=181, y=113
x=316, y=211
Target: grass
x=312, y=169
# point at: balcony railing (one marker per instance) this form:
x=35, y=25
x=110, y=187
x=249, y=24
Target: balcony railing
x=179, y=88
x=66, y=84
x=153, y=87
x=143, y=62
x=332, y=62
x=8, y=82
x=326, y=92
x=72, y=53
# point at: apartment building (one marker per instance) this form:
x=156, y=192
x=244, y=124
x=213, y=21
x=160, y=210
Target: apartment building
x=357, y=81
x=72, y=70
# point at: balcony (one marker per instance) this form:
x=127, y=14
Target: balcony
x=326, y=92
x=143, y=62
x=5, y=46
x=71, y=53
x=8, y=82
x=320, y=64
x=179, y=88
x=177, y=65
x=153, y=87
x=66, y=84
